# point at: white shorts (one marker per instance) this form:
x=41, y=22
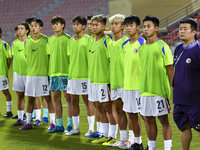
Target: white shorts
x=37, y=86
x=117, y=93
x=19, y=82
x=98, y=92
x=132, y=101
x=77, y=87
x=4, y=85
x=154, y=106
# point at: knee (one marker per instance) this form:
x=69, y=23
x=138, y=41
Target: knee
x=108, y=108
x=86, y=102
x=48, y=99
x=143, y=118
x=118, y=110
x=31, y=101
x=56, y=98
x=150, y=120
x=164, y=120
x=20, y=97
x=133, y=116
x=100, y=109
x=6, y=92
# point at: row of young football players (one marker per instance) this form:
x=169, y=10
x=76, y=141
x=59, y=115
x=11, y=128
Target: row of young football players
x=126, y=66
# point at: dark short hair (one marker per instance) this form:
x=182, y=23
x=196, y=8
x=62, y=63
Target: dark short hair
x=82, y=20
x=89, y=17
x=29, y=20
x=153, y=19
x=193, y=23
x=16, y=28
x=58, y=19
x=0, y=32
x=26, y=26
x=131, y=19
x=39, y=21
x=100, y=18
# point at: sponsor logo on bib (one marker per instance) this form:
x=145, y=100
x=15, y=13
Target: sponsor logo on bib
x=188, y=60
x=135, y=51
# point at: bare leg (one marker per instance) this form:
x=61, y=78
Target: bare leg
x=20, y=101
x=109, y=109
x=166, y=128
x=186, y=137
x=44, y=103
x=136, y=126
x=69, y=104
x=151, y=127
x=50, y=103
x=89, y=106
x=58, y=103
x=75, y=105
x=96, y=112
x=122, y=119
x=7, y=95
x=37, y=104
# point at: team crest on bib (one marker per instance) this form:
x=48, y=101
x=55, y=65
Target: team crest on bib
x=135, y=51
x=41, y=45
x=188, y=60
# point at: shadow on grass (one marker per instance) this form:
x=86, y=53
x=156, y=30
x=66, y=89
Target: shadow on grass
x=38, y=138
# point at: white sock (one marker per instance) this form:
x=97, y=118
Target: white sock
x=105, y=128
x=29, y=117
x=75, y=121
x=138, y=140
x=9, y=106
x=167, y=144
x=98, y=126
x=91, y=120
x=38, y=114
x=116, y=131
x=152, y=145
x=52, y=118
x=123, y=135
x=20, y=114
x=112, y=131
x=131, y=136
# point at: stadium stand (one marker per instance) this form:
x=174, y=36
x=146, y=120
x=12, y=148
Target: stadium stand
x=171, y=21
x=12, y=12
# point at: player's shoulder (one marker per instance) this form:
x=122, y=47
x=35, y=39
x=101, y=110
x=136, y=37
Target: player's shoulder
x=51, y=37
x=125, y=43
x=124, y=38
x=67, y=35
x=141, y=40
x=162, y=43
x=4, y=43
x=86, y=36
x=15, y=42
x=45, y=37
x=106, y=40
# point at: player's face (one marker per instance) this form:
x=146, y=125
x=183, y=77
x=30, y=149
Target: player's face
x=185, y=32
x=16, y=35
x=77, y=27
x=57, y=27
x=35, y=27
x=116, y=27
x=89, y=26
x=149, y=29
x=131, y=28
x=97, y=27
x=21, y=30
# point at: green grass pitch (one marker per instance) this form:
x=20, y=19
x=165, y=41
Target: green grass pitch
x=38, y=139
